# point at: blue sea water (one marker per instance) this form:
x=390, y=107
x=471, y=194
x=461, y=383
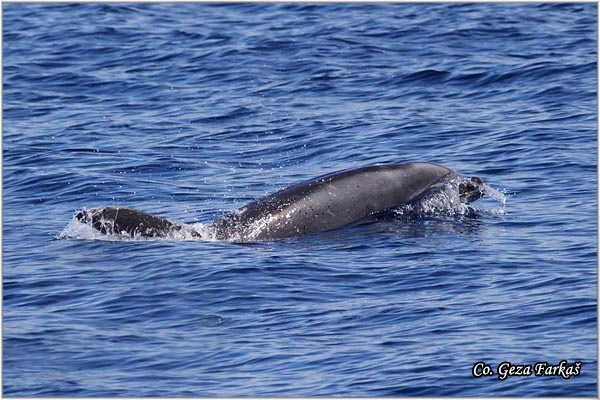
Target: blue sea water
x=189, y=111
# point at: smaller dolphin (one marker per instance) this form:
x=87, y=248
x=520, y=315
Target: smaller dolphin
x=113, y=220
x=324, y=203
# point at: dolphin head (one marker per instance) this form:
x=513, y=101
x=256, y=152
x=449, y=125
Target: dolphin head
x=471, y=189
x=123, y=220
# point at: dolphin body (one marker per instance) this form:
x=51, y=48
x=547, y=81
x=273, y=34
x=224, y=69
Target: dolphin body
x=324, y=203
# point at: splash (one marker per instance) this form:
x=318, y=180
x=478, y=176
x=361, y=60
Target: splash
x=444, y=200
x=496, y=194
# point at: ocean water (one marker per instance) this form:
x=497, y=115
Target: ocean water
x=189, y=111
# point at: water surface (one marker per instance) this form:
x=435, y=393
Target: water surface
x=189, y=111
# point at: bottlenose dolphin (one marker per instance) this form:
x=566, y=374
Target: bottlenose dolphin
x=320, y=204
x=112, y=220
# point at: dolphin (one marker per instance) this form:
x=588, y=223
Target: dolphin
x=320, y=204
x=114, y=220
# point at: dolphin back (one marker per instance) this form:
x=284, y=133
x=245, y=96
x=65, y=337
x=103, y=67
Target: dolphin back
x=331, y=201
